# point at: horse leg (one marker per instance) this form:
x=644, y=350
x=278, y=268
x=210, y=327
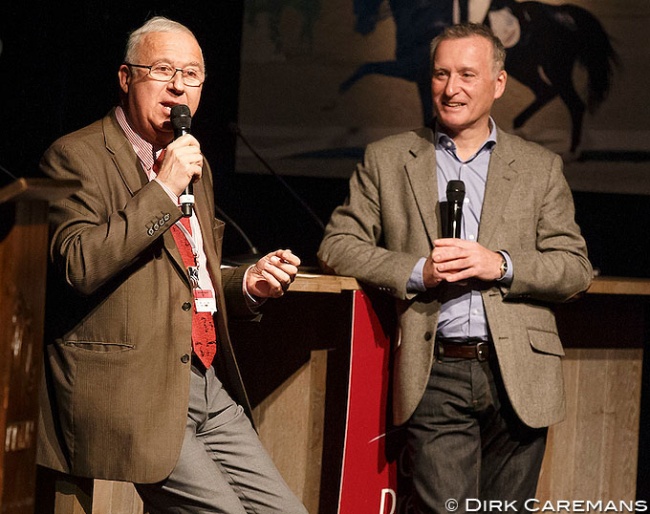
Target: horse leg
x=577, y=110
x=543, y=92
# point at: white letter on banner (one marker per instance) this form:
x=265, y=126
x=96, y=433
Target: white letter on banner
x=382, y=505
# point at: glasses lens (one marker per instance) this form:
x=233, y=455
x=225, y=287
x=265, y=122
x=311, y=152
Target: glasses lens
x=162, y=72
x=166, y=72
x=193, y=76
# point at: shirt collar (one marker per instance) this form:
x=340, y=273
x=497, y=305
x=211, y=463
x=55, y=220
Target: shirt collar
x=443, y=141
x=143, y=149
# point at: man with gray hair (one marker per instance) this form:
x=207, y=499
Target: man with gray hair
x=477, y=375
x=141, y=382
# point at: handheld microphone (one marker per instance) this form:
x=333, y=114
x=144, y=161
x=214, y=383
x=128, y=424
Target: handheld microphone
x=181, y=119
x=455, y=198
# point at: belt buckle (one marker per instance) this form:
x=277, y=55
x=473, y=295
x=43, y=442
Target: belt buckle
x=482, y=351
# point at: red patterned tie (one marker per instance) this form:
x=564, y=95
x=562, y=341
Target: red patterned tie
x=204, y=337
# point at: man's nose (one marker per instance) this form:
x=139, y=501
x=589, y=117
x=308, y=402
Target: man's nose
x=177, y=81
x=450, y=86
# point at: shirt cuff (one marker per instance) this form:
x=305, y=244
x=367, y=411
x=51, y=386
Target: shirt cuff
x=253, y=302
x=415, y=283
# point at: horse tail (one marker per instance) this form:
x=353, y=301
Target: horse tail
x=595, y=53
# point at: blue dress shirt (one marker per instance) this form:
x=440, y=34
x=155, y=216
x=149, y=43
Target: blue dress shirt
x=462, y=315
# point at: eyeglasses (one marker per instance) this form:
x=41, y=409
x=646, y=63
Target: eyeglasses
x=165, y=72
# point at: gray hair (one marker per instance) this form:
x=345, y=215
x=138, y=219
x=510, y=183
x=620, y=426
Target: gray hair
x=155, y=24
x=464, y=30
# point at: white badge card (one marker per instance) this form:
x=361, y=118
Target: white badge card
x=204, y=301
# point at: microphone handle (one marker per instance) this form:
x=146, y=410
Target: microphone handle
x=187, y=198
x=454, y=214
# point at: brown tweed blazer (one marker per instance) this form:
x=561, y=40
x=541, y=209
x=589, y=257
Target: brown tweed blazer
x=391, y=219
x=117, y=370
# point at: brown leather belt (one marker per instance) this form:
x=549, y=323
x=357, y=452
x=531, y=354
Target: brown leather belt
x=479, y=350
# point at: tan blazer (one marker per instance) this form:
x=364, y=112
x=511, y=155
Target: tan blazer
x=392, y=217
x=117, y=347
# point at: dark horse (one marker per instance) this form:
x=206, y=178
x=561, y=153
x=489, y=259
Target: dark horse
x=416, y=24
x=553, y=39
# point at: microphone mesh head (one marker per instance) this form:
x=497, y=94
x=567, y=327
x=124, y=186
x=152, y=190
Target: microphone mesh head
x=181, y=117
x=455, y=190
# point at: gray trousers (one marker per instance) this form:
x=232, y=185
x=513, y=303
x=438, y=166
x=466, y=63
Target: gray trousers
x=223, y=467
x=467, y=446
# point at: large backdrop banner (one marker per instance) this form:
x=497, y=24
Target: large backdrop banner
x=321, y=79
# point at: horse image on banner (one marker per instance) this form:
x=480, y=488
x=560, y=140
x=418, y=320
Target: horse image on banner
x=544, y=45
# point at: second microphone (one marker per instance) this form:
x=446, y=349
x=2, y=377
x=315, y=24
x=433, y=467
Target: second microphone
x=455, y=199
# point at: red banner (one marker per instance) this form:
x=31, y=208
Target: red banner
x=373, y=469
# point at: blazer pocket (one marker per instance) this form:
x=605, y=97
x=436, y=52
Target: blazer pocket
x=543, y=341
x=97, y=347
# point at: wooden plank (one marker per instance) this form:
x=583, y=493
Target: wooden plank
x=73, y=496
x=311, y=491
x=116, y=498
x=308, y=283
x=592, y=454
x=290, y=424
x=621, y=424
x=587, y=464
x=556, y=480
x=23, y=253
x=335, y=284
x=620, y=285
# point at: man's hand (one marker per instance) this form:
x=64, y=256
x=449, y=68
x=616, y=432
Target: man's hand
x=182, y=164
x=454, y=260
x=272, y=275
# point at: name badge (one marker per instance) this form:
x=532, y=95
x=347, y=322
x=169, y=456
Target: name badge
x=204, y=301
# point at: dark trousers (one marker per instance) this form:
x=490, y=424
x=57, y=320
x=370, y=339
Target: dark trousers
x=469, y=450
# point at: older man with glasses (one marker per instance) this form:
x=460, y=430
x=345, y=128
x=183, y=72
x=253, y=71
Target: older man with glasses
x=141, y=383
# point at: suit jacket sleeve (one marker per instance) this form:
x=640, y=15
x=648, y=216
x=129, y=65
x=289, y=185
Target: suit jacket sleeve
x=548, y=252
x=361, y=238
x=92, y=241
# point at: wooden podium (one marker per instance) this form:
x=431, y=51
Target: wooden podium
x=326, y=423
x=317, y=369
x=23, y=264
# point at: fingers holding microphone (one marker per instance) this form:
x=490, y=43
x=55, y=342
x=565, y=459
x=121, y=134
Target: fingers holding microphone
x=182, y=164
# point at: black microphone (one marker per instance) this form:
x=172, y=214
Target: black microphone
x=455, y=197
x=181, y=119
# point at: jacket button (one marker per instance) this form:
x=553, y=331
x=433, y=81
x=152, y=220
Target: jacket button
x=187, y=306
x=428, y=336
x=185, y=359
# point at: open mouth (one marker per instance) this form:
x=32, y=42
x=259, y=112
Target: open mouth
x=167, y=107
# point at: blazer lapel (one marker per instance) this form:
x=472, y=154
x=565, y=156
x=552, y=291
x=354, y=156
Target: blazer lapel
x=421, y=172
x=133, y=177
x=500, y=182
x=126, y=161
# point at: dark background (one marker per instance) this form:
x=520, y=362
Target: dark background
x=58, y=72
x=58, y=68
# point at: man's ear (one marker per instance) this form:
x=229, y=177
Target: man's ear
x=502, y=79
x=124, y=77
